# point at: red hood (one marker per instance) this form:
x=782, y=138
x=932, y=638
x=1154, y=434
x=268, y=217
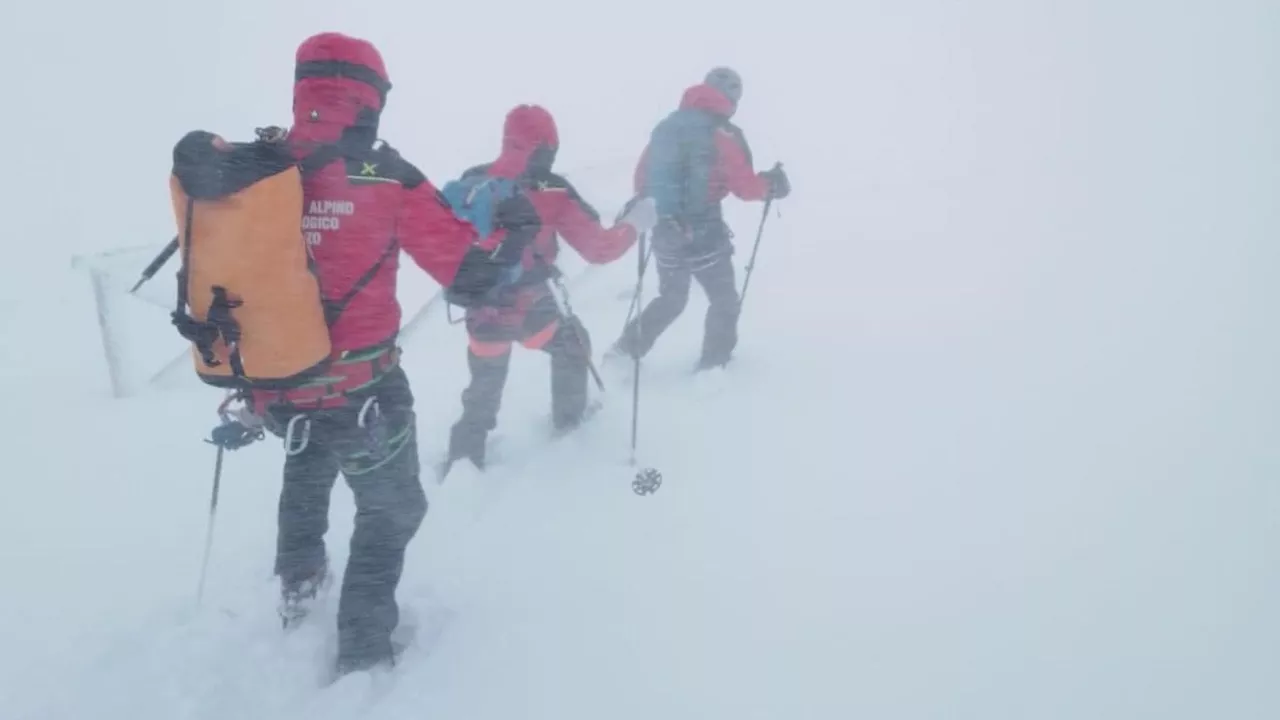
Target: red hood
x=527, y=128
x=338, y=79
x=705, y=97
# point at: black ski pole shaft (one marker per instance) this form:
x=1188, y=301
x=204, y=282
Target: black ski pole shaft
x=566, y=315
x=635, y=383
x=635, y=297
x=591, y=365
x=751, y=264
x=213, y=511
x=157, y=263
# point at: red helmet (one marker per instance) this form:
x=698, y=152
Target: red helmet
x=339, y=82
x=529, y=141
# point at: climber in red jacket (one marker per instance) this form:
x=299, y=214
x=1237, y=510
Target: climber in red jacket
x=363, y=204
x=527, y=311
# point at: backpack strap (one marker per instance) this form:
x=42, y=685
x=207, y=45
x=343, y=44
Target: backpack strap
x=319, y=158
x=334, y=309
x=218, y=322
x=737, y=134
x=316, y=161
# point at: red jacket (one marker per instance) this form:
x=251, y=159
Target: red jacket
x=733, y=171
x=529, y=144
x=367, y=203
x=562, y=212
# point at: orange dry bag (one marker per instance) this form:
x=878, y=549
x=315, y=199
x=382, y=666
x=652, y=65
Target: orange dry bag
x=247, y=299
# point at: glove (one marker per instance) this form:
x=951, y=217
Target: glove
x=640, y=213
x=779, y=185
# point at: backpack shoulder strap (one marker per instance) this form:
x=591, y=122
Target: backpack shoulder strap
x=333, y=309
x=318, y=159
x=184, y=267
x=315, y=161
x=554, y=181
x=476, y=171
x=736, y=133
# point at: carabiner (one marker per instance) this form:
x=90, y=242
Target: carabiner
x=369, y=404
x=288, y=435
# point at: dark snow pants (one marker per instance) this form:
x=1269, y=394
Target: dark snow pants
x=715, y=273
x=489, y=358
x=380, y=463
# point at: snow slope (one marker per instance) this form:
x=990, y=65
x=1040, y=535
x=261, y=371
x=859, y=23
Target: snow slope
x=1000, y=442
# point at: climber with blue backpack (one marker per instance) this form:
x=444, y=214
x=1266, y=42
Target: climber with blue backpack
x=523, y=307
x=695, y=159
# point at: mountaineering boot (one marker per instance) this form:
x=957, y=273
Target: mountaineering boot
x=481, y=400
x=560, y=429
x=570, y=351
x=709, y=361
x=298, y=598
x=617, y=359
x=378, y=656
x=384, y=659
x=720, y=329
x=467, y=441
x=620, y=351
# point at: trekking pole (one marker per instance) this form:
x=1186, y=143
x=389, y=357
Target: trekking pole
x=751, y=264
x=156, y=264
x=232, y=434
x=635, y=297
x=647, y=480
x=554, y=283
x=635, y=380
x=213, y=511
